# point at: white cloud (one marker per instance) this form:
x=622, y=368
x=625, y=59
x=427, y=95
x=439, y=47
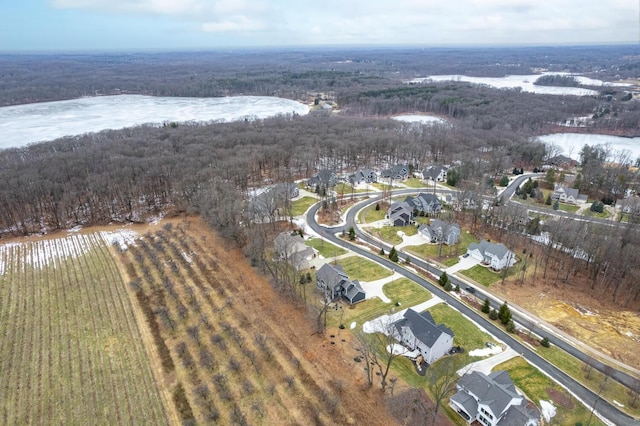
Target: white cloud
x=383, y=21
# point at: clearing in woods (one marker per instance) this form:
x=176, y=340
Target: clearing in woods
x=70, y=349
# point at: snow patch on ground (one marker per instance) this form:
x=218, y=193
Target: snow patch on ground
x=154, y=220
x=398, y=349
x=77, y=228
x=547, y=409
x=486, y=351
x=352, y=326
x=122, y=237
x=186, y=257
x=618, y=404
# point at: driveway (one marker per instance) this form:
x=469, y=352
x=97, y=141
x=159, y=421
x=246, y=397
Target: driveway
x=463, y=264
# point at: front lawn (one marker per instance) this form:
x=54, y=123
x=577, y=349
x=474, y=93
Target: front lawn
x=370, y=214
x=415, y=183
x=390, y=233
x=359, y=268
x=539, y=387
x=569, y=208
x=482, y=275
x=605, y=214
x=325, y=248
x=430, y=251
x=298, y=207
x=403, y=291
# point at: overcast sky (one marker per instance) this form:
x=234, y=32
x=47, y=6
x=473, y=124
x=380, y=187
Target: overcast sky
x=177, y=24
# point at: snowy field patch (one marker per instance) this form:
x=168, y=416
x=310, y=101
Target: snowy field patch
x=547, y=409
x=486, y=351
x=122, y=237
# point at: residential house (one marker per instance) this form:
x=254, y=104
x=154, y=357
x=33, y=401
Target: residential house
x=492, y=401
x=568, y=195
x=438, y=230
x=363, y=176
x=419, y=331
x=264, y=205
x=400, y=213
x=435, y=173
x=324, y=178
x=292, y=248
x=495, y=255
x=335, y=283
x=397, y=172
x=424, y=203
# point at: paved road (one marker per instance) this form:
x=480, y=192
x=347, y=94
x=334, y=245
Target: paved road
x=605, y=408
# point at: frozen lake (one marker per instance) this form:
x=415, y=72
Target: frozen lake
x=420, y=119
x=24, y=124
x=572, y=143
x=525, y=82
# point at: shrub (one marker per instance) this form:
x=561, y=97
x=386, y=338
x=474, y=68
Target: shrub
x=493, y=314
x=545, y=342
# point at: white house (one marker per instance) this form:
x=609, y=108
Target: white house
x=495, y=255
x=418, y=331
x=568, y=195
x=438, y=230
x=291, y=248
x=492, y=401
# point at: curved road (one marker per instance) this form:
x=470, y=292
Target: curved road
x=603, y=407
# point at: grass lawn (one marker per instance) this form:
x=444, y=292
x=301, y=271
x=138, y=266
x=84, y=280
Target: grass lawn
x=482, y=275
x=605, y=214
x=451, y=261
x=370, y=214
x=577, y=369
x=569, y=208
x=403, y=291
x=390, y=233
x=359, y=268
x=430, y=251
x=381, y=186
x=326, y=249
x=415, y=183
x=536, y=386
x=465, y=332
x=298, y=207
x=347, y=189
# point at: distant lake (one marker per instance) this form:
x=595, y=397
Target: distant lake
x=24, y=124
x=420, y=118
x=525, y=82
x=572, y=143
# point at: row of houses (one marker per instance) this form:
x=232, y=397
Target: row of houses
x=399, y=172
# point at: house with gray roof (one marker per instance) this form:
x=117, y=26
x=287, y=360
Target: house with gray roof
x=424, y=203
x=419, y=331
x=492, y=400
x=268, y=204
x=568, y=195
x=400, y=213
x=497, y=256
x=440, y=231
x=435, y=173
x=325, y=178
x=335, y=283
x=397, y=172
x=290, y=247
x=363, y=176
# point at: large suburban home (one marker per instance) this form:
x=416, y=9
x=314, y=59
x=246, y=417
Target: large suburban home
x=419, y=331
x=397, y=172
x=492, y=401
x=363, y=176
x=435, y=173
x=495, y=255
x=325, y=178
x=425, y=203
x=266, y=204
x=439, y=231
x=291, y=248
x=568, y=195
x=335, y=283
x=400, y=213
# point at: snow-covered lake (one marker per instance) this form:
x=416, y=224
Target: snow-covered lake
x=420, y=119
x=572, y=143
x=24, y=124
x=525, y=82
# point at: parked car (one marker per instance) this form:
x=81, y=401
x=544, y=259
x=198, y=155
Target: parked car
x=465, y=255
x=470, y=289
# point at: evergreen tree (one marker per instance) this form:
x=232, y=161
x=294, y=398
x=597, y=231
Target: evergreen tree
x=352, y=234
x=443, y=280
x=448, y=286
x=493, y=314
x=545, y=342
x=486, y=308
x=393, y=254
x=504, y=181
x=381, y=252
x=504, y=314
x=556, y=205
x=548, y=200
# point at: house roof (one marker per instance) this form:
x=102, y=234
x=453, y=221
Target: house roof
x=432, y=171
x=423, y=326
x=397, y=170
x=497, y=395
x=353, y=289
x=331, y=274
x=499, y=250
x=569, y=192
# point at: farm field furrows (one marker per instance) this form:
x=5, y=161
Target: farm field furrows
x=70, y=349
x=229, y=361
